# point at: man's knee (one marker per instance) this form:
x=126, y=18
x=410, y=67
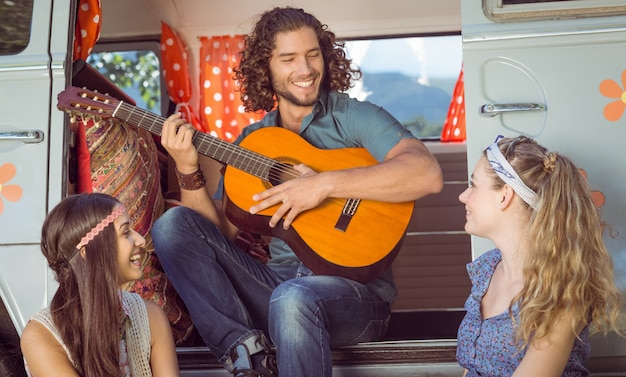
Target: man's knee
x=165, y=230
x=290, y=300
x=168, y=217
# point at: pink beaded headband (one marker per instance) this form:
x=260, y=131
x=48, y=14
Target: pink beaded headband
x=117, y=211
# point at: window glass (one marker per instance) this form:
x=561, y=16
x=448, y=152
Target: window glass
x=15, y=21
x=411, y=77
x=136, y=72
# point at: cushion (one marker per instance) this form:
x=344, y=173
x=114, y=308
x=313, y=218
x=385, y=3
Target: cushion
x=124, y=164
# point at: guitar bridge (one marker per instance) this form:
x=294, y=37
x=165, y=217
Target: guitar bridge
x=348, y=211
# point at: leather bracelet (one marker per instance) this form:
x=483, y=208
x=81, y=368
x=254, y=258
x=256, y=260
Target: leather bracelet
x=193, y=181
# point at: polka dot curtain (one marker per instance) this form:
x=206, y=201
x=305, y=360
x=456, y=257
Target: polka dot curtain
x=221, y=108
x=86, y=34
x=87, y=30
x=454, y=126
x=176, y=74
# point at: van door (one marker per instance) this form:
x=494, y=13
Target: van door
x=537, y=68
x=33, y=53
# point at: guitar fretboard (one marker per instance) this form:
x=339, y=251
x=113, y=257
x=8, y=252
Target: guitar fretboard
x=231, y=154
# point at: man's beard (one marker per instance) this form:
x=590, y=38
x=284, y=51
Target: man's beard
x=288, y=96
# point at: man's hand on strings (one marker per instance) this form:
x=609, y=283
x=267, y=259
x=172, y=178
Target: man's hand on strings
x=292, y=196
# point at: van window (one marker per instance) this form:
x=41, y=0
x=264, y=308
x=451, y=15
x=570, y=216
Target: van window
x=411, y=77
x=15, y=20
x=516, y=10
x=135, y=71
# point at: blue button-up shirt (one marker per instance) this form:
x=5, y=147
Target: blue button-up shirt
x=486, y=347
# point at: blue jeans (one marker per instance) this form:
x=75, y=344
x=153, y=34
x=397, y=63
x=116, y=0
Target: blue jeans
x=232, y=297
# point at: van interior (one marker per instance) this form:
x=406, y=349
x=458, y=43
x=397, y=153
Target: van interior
x=430, y=267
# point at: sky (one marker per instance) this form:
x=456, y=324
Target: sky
x=416, y=57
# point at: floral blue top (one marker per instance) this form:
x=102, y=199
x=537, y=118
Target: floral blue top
x=486, y=347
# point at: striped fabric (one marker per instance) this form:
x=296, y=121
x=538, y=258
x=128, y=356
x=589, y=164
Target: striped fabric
x=124, y=164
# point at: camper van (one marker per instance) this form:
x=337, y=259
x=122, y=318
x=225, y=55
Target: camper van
x=456, y=73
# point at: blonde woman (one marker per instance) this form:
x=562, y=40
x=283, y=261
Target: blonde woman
x=549, y=282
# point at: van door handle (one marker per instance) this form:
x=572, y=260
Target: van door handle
x=28, y=137
x=493, y=109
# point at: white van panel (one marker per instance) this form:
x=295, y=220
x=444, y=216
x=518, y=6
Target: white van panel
x=28, y=81
x=24, y=282
x=25, y=81
x=560, y=65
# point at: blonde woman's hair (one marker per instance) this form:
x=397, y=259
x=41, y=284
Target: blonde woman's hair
x=568, y=269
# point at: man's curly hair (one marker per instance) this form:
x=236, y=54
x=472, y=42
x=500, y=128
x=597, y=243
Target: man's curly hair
x=253, y=73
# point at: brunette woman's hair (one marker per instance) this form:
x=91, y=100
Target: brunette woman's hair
x=253, y=73
x=568, y=268
x=86, y=307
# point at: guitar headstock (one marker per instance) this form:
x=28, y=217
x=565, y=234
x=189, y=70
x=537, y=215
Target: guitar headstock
x=84, y=101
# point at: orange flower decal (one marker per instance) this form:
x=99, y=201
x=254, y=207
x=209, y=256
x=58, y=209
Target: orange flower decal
x=12, y=193
x=611, y=89
x=596, y=196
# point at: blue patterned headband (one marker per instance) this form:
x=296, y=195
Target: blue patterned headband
x=505, y=171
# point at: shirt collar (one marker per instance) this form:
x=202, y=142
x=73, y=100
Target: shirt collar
x=321, y=102
x=320, y=106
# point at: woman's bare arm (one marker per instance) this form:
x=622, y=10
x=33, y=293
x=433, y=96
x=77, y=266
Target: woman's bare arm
x=163, y=360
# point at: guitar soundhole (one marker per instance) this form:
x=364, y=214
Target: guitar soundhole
x=280, y=173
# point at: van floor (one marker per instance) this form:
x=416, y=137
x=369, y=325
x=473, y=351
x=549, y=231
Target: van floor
x=416, y=341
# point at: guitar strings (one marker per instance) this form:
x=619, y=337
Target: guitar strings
x=247, y=160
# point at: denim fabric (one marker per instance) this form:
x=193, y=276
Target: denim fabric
x=232, y=297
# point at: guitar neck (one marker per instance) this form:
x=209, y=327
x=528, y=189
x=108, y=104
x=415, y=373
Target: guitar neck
x=210, y=146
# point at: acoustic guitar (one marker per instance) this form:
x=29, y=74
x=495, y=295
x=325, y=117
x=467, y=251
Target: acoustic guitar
x=354, y=238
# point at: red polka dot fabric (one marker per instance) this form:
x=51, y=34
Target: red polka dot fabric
x=175, y=69
x=454, y=126
x=87, y=31
x=221, y=109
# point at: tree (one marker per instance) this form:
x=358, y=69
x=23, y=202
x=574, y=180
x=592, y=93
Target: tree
x=135, y=72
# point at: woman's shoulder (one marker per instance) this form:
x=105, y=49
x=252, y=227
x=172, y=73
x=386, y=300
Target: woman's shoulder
x=154, y=312
x=158, y=323
x=35, y=329
x=153, y=309
x=36, y=336
x=41, y=325
x=483, y=266
x=41, y=347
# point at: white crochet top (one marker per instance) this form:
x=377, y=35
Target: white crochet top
x=136, y=337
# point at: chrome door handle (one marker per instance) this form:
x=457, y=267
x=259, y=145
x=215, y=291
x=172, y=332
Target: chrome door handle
x=493, y=109
x=27, y=137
